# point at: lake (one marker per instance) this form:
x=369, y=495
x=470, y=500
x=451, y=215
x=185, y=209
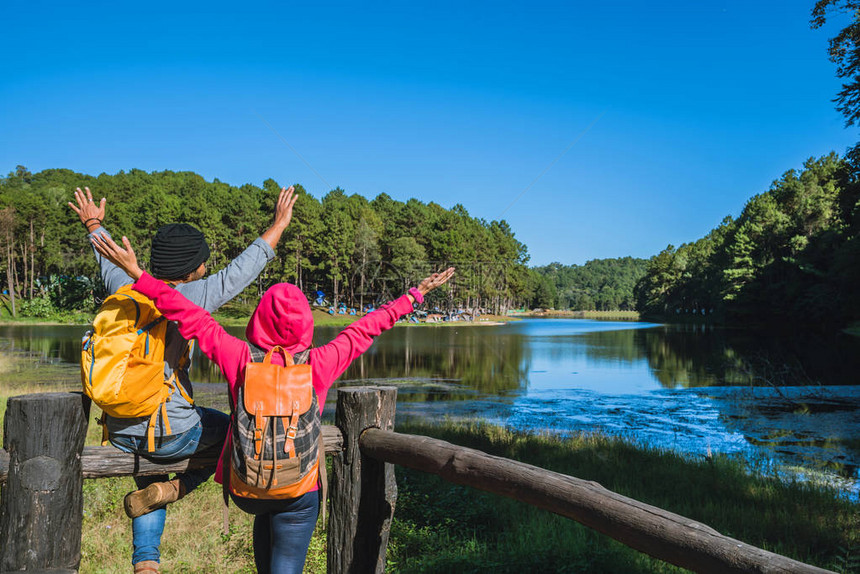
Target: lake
x=775, y=401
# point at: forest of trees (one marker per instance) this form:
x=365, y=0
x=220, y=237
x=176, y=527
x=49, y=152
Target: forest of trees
x=355, y=250
x=792, y=256
x=600, y=284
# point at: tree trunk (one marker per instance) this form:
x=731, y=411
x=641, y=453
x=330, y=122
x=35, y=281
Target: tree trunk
x=32, y=257
x=10, y=272
x=42, y=506
x=299, y=264
x=363, y=490
x=23, y=291
x=336, y=292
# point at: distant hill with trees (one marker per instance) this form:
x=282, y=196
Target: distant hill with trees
x=599, y=284
x=792, y=256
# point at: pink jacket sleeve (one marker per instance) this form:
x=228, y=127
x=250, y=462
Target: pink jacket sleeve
x=227, y=351
x=330, y=361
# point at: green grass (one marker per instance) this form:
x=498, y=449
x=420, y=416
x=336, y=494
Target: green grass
x=603, y=315
x=853, y=329
x=54, y=317
x=441, y=527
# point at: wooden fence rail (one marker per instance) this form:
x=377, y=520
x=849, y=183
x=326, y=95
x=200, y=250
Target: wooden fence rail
x=108, y=461
x=662, y=534
x=44, y=463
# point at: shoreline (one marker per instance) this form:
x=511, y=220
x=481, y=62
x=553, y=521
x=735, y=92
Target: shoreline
x=320, y=320
x=561, y=314
x=324, y=319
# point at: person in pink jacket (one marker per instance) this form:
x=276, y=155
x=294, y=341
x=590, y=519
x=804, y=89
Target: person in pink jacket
x=282, y=528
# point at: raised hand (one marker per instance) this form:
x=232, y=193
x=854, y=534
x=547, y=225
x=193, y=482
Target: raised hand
x=125, y=259
x=283, y=216
x=435, y=280
x=284, y=207
x=91, y=214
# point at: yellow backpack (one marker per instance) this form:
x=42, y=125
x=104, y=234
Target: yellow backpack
x=122, y=361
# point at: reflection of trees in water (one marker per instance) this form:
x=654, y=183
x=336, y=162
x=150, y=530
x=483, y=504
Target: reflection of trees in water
x=55, y=342
x=614, y=345
x=698, y=356
x=690, y=356
x=475, y=357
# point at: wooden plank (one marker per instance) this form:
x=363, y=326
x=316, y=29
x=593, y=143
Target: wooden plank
x=363, y=489
x=662, y=534
x=106, y=461
x=42, y=503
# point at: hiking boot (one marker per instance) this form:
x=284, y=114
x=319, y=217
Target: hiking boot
x=146, y=567
x=152, y=497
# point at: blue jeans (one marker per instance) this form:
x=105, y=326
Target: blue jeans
x=210, y=431
x=282, y=531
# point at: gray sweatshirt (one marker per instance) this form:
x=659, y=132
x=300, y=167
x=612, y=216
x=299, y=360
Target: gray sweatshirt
x=209, y=293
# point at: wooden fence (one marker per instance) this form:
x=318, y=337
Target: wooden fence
x=44, y=464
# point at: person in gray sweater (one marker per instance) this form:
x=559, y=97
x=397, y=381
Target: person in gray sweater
x=178, y=257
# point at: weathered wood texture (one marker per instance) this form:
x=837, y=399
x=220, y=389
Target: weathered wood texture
x=652, y=530
x=105, y=461
x=42, y=504
x=363, y=490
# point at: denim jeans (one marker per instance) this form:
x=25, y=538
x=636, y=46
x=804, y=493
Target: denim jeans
x=209, y=432
x=282, y=531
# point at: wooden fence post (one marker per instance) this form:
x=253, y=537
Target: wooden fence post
x=363, y=490
x=42, y=505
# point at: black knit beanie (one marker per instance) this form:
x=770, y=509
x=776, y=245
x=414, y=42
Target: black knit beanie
x=177, y=250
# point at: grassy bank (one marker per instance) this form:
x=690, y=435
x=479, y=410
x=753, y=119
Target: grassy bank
x=439, y=527
x=446, y=528
x=601, y=315
x=853, y=329
x=71, y=319
x=231, y=319
x=323, y=319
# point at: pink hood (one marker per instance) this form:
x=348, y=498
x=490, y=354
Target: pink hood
x=283, y=318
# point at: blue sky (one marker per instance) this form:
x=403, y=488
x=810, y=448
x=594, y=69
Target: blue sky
x=677, y=112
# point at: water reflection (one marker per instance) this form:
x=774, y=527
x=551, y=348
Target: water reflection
x=61, y=342
x=700, y=356
x=475, y=357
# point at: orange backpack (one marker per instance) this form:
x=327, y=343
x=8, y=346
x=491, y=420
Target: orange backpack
x=277, y=447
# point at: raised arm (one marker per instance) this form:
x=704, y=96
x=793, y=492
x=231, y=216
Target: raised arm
x=228, y=352
x=331, y=360
x=216, y=290
x=92, y=216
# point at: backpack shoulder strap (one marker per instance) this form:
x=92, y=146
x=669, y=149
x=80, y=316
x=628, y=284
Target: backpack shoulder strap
x=302, y=357
x=258, y=354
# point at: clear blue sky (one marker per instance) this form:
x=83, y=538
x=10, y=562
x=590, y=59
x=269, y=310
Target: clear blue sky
x=698, y=105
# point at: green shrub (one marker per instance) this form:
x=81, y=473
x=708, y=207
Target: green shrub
x=38, y=308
